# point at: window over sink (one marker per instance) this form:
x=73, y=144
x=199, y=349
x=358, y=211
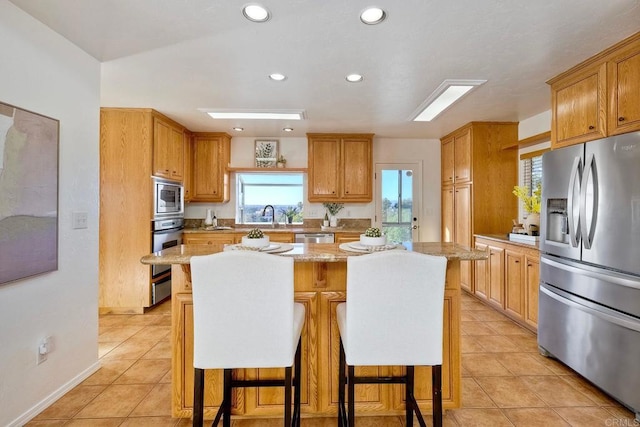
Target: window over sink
x=283, y=191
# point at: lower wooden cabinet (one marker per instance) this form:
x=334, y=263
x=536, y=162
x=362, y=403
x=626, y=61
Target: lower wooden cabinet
x=508, y=279
x=347, y=237
x=210, y=238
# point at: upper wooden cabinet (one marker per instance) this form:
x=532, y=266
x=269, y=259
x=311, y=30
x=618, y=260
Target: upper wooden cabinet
x=188, y=166
x=624, y=90
x=168, y=150
x=456, y=158
x=578, y=107
x=340, y=167
x=598, y=97
x=211, y=157
x=478, y=175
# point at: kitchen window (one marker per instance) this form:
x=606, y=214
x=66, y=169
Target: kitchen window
x=531, y=170
x=283, y=191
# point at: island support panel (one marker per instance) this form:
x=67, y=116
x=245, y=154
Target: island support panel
x=320, y=286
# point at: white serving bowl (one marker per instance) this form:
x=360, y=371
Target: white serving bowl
x=373, y=241
x=262, y=242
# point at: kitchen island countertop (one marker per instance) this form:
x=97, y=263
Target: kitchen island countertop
x=312, y=252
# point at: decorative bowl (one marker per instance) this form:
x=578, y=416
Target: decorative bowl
x=262, y=242
x=373, y=241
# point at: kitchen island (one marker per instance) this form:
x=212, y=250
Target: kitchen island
x=320, y=284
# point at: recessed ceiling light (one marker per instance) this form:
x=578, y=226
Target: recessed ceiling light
x=354, y=78
x=373, y=15
x=287, y=129
x=443, y=97
x=256, y=13
x=277, y=77
x=238, y=129
x=255, y=114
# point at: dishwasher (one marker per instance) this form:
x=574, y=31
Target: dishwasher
x=314, y=238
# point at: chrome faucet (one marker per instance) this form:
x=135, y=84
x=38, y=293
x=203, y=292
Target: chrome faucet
x=273, y=215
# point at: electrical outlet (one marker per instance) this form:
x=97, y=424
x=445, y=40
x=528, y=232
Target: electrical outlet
x=313, y=213
x=79, y=220
x=44, y=348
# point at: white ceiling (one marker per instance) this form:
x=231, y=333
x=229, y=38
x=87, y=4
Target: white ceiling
x=180, y=55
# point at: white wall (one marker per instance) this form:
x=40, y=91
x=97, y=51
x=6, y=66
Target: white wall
x=385, y=150
x=42, y=72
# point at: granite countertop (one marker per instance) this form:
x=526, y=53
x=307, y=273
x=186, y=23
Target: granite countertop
x=504, y=238
x=312, y=252
x=280, y=229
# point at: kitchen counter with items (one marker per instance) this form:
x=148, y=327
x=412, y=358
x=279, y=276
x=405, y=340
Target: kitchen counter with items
x=508, y=279
x=320, y=284
x=505, y=239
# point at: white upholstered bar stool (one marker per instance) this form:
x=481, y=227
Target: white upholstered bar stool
x=393, y=316
x=244, y=316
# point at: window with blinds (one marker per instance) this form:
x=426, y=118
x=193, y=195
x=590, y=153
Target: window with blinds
x=532, y=172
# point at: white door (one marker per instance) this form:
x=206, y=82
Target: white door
x=398, y=203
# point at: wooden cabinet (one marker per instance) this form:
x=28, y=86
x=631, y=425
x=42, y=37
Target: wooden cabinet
x=340, y=167
x=509, y=279
x=280, y=237
x=578, y=104
x=514, y=283
x=168, y=150
x=598, y=97
x=624, y=90
x=456, y=157
x=495, y=276
x=489, y=274
x=478, y=175
x=346, y=237
x=188, y=166
x=532, y=284
x=134, y=143
x=211, y=157
x=214, y=238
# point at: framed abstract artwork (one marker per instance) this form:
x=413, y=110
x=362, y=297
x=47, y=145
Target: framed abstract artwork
x=28, y=193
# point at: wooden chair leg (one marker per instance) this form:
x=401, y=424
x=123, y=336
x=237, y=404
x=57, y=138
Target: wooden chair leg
x=226, y=422
x=436, y=379
x=297, y=385
x=341, y=386
x=409, y=397
x=351, y=397
x=198, y=397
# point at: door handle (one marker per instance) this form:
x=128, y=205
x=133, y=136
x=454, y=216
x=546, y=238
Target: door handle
x=588, y=229
x=574, y=229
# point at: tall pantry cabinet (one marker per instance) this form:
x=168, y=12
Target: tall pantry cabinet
x=479, y=171
x=134, y=145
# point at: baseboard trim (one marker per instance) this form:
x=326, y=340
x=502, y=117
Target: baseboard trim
x=57, y=394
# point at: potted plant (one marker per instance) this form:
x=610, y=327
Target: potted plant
x=531, y=203
x=255, y=239
x=373, y=237
x=333, y=209
x=289, y=212
x=281, y=162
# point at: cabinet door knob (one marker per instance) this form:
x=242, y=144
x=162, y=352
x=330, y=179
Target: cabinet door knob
x=529, y=265
x=517, y=262
x=591, y=127
x=621, y=119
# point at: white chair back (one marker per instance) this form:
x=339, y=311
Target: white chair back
x=243, y=310
x=394, y=309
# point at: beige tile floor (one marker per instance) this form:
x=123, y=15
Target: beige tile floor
x=505, y=381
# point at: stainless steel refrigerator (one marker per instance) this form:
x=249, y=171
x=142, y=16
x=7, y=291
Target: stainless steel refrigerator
x=589, y=301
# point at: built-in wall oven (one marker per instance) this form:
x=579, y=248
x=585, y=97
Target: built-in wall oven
x=165, y=233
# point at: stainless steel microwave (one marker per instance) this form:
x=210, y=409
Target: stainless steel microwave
x=168, y=199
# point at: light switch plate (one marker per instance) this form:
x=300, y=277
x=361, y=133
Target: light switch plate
x=79, y=219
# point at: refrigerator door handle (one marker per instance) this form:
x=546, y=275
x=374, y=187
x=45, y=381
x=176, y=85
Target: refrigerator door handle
x=587, y=230
x=574, y=228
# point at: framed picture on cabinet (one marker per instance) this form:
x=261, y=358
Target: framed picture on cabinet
x=266, y=153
